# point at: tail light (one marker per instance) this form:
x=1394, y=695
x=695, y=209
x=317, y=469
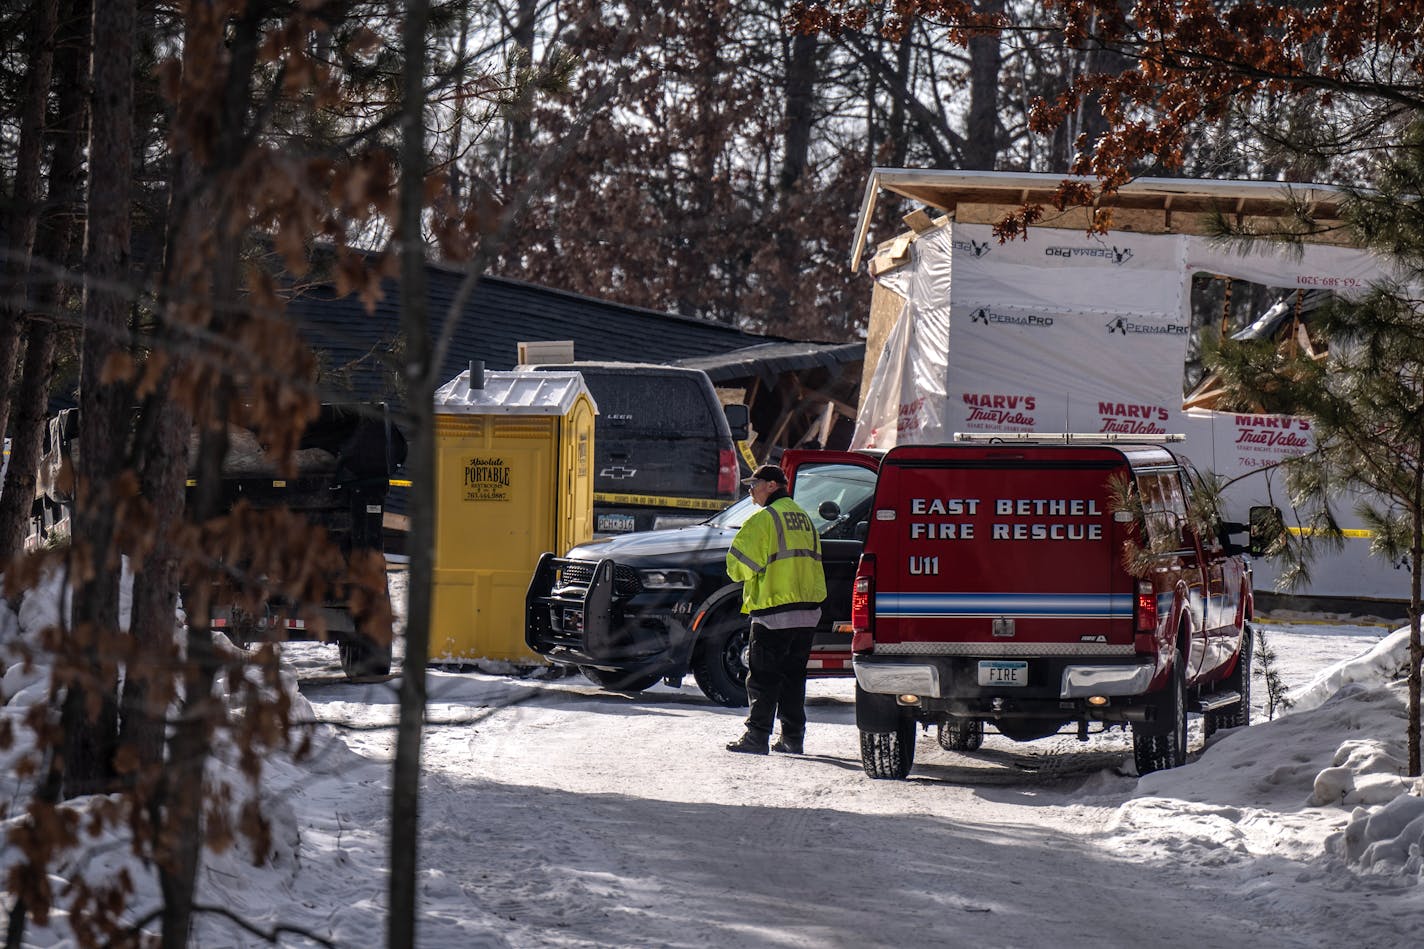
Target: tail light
x=726, y=471
x=1146, y=608
x=862, y=600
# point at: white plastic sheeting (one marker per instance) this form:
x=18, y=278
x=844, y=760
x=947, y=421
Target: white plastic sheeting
x=905, y=403
x=1345, y=270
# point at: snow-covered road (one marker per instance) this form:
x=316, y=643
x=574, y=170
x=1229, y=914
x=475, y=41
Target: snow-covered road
x=557, y=814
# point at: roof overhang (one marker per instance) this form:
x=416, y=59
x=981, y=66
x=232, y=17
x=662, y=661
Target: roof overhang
x=1144, y=205
x=775, y=358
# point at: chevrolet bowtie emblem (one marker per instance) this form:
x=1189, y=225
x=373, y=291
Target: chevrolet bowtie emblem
x=617, y=472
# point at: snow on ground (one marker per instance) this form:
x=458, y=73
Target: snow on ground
x=555, y=814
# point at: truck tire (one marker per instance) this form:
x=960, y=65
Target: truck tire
x=1159, y=748
x=360, y=657
x=1239, y=715
x=961, y=734
x=621, y=680
x=889, y=754
x=719, y=660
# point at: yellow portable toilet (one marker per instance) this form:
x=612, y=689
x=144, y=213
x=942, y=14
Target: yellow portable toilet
x=513, y=478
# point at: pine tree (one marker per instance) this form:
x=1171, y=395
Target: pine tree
x=1366, y=402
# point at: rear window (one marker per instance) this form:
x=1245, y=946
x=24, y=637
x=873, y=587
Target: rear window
x=650, y=404
x=1164, y=508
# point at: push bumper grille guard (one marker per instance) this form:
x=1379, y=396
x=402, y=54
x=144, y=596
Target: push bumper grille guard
x=577, y=573
x=561, y=587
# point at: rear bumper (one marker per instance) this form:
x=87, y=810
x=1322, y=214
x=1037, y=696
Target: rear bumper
x=898, y=678
x=1082, y=681
x=1057, y=687
x=330, y=621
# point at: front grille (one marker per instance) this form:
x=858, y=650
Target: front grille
x=579, y=573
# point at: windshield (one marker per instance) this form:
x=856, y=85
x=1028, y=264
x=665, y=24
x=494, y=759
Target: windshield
x=850, y=487
x=735, y=516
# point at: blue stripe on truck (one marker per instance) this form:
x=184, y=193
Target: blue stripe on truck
x=1041, y=605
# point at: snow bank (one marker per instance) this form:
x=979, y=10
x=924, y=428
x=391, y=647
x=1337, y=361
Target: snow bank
x=1387, y=840
x=1384, y=662
x=237, y=875
x=1278, y=789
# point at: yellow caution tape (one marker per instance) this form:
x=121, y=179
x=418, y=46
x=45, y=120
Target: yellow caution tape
x=1347, y=532
x=657, y=500
x=193, y=483
x=645, y=500
x=747, y=455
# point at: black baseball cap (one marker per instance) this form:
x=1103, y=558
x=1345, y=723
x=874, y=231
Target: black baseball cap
x=767, y=473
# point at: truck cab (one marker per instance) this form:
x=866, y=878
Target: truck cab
x=656, y=605
x=1034, y=582
x=343, y=466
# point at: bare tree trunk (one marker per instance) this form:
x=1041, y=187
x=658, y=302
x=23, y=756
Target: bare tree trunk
x=55, y=246
x=521, y=131
x=982, y=135
x=1416, y=603
x=25, y=446
x=800, y=116
x=191, y=745
x=146, y=694
x=89, y=738
x=162, y=446
x=19, y=224
x=899, y=141
x=72, y=65
x=183, y=794
x=420, y=376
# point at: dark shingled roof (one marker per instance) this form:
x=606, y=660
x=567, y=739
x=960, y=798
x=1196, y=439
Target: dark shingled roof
x=358, y=351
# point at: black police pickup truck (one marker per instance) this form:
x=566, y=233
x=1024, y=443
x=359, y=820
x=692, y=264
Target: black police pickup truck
x=657, y=604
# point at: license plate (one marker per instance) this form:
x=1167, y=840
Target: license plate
x=1003, y=672
x=613, y=523
x=571, y=621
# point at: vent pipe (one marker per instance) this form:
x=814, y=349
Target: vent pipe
x=477, y=374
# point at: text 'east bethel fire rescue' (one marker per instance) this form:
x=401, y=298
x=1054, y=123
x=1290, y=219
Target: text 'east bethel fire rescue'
x=1082, y=529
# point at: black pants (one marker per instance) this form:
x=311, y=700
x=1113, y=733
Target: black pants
x=776, y=680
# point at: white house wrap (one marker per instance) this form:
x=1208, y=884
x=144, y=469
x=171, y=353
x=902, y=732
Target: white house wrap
x=1067, y=332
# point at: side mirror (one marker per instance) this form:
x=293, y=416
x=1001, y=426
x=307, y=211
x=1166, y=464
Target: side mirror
x=738, y=420
x=829, y=511
x=1266, y=528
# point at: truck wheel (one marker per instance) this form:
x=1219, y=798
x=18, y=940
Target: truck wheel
x=961, y=734
x=889, y=754
x=361, y=657
x=1239, y=715
x=719, y=662
x=621, y=681
x=1155, y=749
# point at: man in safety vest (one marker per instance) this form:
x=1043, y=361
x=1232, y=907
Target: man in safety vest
x=777, y=557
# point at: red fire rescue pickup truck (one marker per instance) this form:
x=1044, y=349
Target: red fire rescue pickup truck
x=994, y=586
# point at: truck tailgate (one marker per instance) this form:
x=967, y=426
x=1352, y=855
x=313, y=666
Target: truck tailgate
x=999, y=555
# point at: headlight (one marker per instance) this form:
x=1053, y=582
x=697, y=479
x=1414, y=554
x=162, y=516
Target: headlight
x=667, y=579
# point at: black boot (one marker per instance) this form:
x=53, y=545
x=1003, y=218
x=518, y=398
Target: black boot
x=748, y=744
x=788, y=745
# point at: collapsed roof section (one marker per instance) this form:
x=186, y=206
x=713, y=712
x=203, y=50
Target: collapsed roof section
x=799, y=394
